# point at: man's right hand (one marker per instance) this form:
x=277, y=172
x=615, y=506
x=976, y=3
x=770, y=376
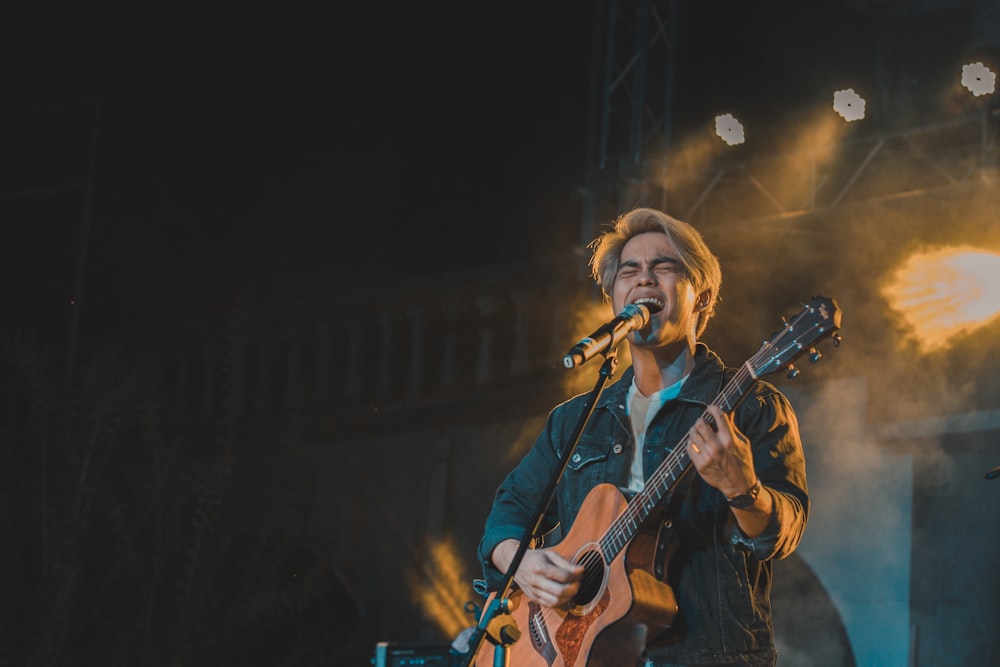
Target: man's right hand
x=544, y=576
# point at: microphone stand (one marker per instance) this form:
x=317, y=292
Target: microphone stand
x=492, y=625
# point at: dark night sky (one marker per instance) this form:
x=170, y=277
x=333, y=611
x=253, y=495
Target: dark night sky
x=317, y=148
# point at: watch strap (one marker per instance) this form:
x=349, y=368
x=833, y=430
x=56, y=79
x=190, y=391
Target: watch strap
x=747, y=498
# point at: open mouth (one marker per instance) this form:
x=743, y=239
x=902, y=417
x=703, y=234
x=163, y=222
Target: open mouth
x=653, y=304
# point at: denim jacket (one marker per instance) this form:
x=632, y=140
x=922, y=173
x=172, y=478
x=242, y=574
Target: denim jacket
x=721, y=578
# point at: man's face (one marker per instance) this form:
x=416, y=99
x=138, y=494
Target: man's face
x=650, y=270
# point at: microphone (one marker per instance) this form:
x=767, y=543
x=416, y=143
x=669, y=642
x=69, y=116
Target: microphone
x=633, y=316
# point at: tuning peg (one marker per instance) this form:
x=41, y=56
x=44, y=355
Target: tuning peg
x=793, y=372
x=814, y=355
x=836, y=339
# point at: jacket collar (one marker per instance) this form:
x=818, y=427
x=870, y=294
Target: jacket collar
x=702, y=386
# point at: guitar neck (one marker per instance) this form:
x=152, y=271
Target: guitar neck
x=666, y=476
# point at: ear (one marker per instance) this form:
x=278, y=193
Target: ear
x=703, y=300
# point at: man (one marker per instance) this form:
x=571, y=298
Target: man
x=723, y=527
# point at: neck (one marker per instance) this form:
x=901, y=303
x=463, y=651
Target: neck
x=661, y=367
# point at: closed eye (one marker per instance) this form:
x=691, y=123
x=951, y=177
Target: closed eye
x=662, y=266
x=668, y=268
x=627, y=271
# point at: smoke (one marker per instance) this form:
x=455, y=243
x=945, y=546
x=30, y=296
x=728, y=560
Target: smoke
x=856, y=404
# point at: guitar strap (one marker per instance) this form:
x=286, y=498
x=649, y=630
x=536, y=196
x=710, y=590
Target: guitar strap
x=665, y=546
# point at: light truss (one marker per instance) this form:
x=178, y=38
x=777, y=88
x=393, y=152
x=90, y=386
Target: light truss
x=631, y=91
x=877, y=166
x=630, y=143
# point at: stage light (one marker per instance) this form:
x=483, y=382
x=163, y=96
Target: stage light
x=978, y=79
x=729, y=129
x=849, y=104
x=946, y=292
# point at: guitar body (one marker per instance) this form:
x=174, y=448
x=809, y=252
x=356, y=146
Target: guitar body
x=620, y=607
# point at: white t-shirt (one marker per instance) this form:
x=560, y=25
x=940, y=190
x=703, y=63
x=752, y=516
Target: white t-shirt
x=640, y=412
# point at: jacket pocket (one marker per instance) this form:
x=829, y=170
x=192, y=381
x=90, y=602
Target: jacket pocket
x=587, y=467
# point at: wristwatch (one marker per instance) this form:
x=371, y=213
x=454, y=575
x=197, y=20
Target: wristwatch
x=747, y=498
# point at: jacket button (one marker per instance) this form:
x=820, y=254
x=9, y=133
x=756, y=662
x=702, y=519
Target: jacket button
x=576, y=458
x=617, y=449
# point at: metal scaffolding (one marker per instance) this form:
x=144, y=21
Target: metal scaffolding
x=631, y=91
x=630, y=143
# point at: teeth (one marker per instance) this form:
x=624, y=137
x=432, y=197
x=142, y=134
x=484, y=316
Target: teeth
x=654, y=305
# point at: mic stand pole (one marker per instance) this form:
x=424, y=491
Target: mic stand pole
x=491, y=624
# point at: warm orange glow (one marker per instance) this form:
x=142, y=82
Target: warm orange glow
x=689, y=160
x=947, y=291
x=808, y=148
x=441, y=589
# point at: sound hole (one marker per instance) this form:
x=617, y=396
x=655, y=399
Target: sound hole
x=592, y=580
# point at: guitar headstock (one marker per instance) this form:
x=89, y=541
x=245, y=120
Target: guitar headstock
x=818, y=319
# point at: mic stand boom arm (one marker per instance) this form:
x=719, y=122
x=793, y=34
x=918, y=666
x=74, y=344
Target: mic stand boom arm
x=490, y=623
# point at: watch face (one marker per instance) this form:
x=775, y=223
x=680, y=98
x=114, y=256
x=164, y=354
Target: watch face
x=745, y=499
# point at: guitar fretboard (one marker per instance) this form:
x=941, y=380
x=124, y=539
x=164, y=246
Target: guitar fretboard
x=666, y=475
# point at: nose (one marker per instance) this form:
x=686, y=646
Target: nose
x=646, y=276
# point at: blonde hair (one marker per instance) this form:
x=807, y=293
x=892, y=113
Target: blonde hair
x=701, y=266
